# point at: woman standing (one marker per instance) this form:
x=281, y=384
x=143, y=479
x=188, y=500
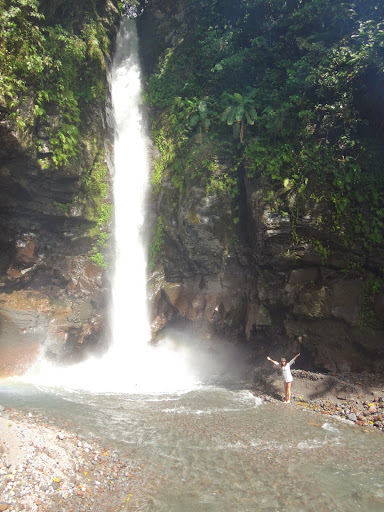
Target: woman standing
x=287, y=375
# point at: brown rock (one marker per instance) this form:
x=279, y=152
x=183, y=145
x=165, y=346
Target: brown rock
x=346, y=300
x=12, y=273
x=4, y=506
x=26, y=253
x=96, y=325
x=86, y=331
x=304, y=274
x=372, y=409
x=94, y=273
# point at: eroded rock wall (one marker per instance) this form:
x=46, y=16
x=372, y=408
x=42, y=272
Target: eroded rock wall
x=317, y=302
x=276, y=277
x=52, y=293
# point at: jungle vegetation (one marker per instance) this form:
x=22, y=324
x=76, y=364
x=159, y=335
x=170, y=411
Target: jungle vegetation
x=290, y=91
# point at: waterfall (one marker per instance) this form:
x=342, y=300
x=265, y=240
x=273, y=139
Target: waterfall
x=131, y=358
x=129, y=313
x=131, y=365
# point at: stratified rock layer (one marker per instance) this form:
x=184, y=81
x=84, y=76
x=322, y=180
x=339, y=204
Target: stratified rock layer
x=276, y=279
x=52, y=295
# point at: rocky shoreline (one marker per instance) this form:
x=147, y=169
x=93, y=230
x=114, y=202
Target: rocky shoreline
x=355, y=397
x=46, y=469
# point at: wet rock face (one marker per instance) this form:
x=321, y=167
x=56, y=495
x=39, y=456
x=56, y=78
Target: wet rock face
x=205, y=272
x=35, y=323
x=43, y=250
x=265, y=289
x=280, y=277
x=48, y=220
x=316, y=305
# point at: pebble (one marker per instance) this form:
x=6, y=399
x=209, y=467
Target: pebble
x=364, y=418
x=54, y=467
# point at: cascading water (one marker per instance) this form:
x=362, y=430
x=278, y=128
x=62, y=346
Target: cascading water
x=131, y=364
x=129, y=316
x=213, y=449
x=141, y=365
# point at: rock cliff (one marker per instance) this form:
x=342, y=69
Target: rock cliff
x=235, y=255
x=53, y=213
x=263, y=267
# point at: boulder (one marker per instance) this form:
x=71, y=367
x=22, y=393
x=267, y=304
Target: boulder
x=302, y=275
x=346, y=300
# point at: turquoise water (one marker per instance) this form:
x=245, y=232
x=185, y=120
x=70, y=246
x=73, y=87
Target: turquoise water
x=218, y=448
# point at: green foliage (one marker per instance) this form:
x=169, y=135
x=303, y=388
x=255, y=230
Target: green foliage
x=95, y=182
x=100, y=236
x=240, y=113
x=59, y=65
x=21, y=39
x=321, y=251
x=103, y=239
x=94, y=190
x=166, y=157
x=62, y=208
x=157, y=245
x=106, y=211
x=373, y=286
x=220, y=181
x=98, y=258
x=313, y=72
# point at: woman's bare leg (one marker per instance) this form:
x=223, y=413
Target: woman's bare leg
x=285, y=391
x=287, y=386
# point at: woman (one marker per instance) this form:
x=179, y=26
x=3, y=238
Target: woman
x=287, y=375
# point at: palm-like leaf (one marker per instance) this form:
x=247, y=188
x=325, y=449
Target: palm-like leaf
x=240, y=113
x=249, y=118
x=238, y=97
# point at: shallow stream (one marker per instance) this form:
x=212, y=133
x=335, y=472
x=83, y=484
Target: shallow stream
x=219, y=448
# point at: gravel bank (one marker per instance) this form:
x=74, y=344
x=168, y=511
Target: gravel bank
x=358, y=398
x=46, y=469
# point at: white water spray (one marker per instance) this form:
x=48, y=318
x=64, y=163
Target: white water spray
x=131, y=364
x=129, y=317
